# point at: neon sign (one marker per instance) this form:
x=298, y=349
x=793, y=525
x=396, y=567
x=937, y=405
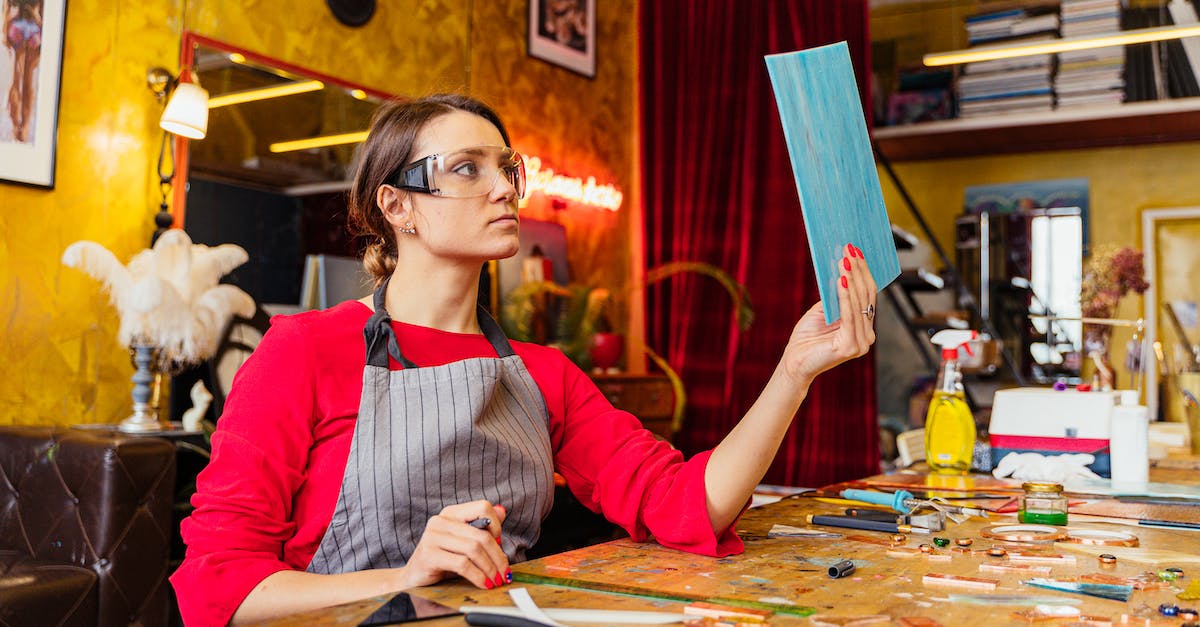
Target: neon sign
x=550, y=183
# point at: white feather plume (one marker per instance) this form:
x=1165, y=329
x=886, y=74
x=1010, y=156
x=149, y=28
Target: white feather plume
x=169, y=296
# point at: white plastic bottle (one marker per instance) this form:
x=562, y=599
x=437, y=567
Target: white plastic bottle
x=1130, y=441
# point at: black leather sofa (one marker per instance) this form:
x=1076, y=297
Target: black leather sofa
x=85, y=527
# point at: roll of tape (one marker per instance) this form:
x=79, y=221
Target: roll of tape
x=841, y=569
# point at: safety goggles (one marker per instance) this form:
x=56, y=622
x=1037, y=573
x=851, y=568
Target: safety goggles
x=465, y=173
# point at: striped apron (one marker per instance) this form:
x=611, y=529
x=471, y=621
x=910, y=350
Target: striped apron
x=427, y=438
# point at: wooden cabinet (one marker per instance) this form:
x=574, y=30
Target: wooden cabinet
x=649, y=397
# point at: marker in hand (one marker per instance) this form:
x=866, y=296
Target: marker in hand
x=482, y=523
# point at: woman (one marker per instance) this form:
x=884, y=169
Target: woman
x=23, y=33
x=332, y=480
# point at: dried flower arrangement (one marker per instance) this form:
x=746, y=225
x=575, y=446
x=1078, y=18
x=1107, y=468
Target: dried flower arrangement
x=1109, y=275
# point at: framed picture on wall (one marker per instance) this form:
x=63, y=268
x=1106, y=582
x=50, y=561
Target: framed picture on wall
x=563, y=32
x=30, y=68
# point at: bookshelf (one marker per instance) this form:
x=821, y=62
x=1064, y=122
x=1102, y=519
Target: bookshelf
x=1133, y=123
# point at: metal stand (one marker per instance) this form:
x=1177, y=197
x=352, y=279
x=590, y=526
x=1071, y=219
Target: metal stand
x=145, y=413
x=963, y=296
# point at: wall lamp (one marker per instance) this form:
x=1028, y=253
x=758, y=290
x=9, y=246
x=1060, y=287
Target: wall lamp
x=1067, y=44
x=186, y=113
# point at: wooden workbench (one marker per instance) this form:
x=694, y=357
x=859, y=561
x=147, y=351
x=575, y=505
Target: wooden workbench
x=789, y=575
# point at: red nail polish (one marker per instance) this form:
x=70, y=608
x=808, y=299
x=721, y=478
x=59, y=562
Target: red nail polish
x=497, y=540
x=860, y=253
x=846, y=263
x=845, y=283
x=499, y=580
x=487, y=583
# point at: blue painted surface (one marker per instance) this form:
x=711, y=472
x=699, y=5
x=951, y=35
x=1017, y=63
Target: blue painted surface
x=834, y=167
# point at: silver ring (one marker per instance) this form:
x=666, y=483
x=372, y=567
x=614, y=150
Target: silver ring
x=869, y=312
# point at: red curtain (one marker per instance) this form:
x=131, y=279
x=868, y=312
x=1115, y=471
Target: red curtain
x=718, y=188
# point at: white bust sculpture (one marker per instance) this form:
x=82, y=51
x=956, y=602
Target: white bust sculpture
x=201, y=398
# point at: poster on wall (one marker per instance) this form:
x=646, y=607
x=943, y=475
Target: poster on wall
x=30, y=68
x=563, y=32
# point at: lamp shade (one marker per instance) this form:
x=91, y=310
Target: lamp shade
x=187, y=112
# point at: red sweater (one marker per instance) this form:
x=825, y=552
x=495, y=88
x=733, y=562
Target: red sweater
x=280, y=450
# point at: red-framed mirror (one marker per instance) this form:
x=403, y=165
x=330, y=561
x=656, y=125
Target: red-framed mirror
x=241, y=135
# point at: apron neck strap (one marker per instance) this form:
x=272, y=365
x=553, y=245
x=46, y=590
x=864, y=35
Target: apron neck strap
x=492, y=331
x=381, y=339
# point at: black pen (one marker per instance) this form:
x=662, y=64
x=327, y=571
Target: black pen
x=849, y=522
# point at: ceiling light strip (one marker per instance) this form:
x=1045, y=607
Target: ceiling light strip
x=319, y=142
x=988, y=53
x=275, y=91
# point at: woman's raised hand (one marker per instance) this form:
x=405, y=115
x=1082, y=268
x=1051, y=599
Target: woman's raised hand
x=450, y=545
x=814, y=346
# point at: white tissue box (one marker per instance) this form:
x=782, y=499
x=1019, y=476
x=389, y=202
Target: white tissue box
x=1042, y=420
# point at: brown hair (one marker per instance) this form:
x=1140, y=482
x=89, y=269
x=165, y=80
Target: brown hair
x=389, y=145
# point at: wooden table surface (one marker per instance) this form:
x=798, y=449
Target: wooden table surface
x=789, y=575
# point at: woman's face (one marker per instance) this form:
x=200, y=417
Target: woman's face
x=469, y=229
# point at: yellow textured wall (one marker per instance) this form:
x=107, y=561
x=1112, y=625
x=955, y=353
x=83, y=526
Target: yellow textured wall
x=579, y=126
x=61, y=361
x=1122, y=182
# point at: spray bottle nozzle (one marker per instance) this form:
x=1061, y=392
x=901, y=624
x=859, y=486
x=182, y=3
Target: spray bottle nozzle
x=952, y=339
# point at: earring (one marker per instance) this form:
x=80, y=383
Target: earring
x=409, y=229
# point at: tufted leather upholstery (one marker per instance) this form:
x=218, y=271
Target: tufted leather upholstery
x=85, y=527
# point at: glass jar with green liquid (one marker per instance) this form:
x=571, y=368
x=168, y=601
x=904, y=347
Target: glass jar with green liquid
x=1042, y=504
x=949, y=425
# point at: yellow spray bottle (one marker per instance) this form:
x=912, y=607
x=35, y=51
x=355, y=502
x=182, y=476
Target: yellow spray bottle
x=949, y=425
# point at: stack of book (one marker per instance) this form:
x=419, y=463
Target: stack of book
x=1009, y=85
x=1095, y=76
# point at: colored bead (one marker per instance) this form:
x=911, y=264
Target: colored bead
x=1167, y=575
x=1167, y=609
x=963, y=541
x=925, y=548
x=941, y=542
x=899, y=538
x=1059, y=386
x=1188, y=614
x=1175, y=569
x=997, y=551
x=1108, y=558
